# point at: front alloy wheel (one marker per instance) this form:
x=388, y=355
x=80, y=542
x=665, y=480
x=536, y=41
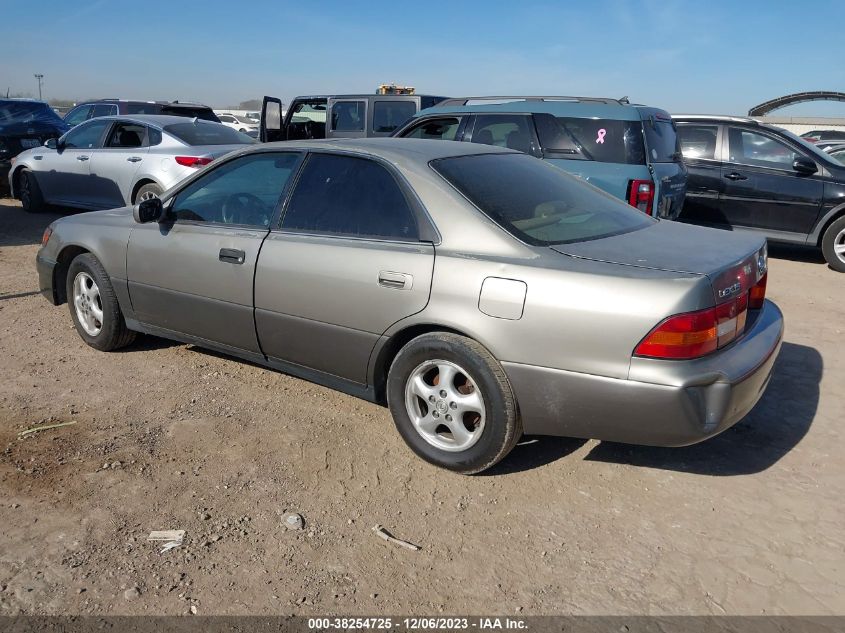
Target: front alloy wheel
x=88, y=303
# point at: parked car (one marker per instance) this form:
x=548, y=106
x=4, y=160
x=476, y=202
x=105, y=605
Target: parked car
x=837, y=152
x=630, y=151
x=239, y=123
x=476, y=291
x=746, y=175
x=349, y=116
x=113, y=161
x=110, y=107
x=814, y=136
x=25, y=123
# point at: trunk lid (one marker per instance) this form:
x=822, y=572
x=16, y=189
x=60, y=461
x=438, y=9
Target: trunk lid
x=733, y=262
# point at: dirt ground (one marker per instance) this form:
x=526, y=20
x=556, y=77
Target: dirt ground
x=168, y=436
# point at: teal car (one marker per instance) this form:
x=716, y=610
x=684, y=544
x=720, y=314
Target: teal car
x=630, y=151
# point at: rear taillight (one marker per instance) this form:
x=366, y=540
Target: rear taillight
x=641, y=195
x=696, y=334
x=758, y=293
x=193, y=161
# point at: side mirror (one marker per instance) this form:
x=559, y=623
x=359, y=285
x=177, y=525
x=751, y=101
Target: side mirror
x=51, y=143
x=804, y=165
x=151, y=210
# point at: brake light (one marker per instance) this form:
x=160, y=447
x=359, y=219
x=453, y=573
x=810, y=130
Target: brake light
x=641, y=195
x=193, y=161
x=46, y=236
x=758, y=293
x=696, y=334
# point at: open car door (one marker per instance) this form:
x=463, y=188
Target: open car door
x=271, y=121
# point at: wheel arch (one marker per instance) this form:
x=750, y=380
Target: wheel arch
x=17, y=170
x=146, y=180
x=66, y=256
x=832, y=216
x=384, y=355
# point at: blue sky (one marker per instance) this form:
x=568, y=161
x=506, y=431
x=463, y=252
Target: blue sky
x=720, y=57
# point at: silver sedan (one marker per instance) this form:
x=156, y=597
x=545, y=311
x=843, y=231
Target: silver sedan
x=478, y=292
x=117, y=160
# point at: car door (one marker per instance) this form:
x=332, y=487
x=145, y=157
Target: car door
x=353, y=256
x=700, y=146
x=194, y=274
x=116, y=164
x=762, y=189
x=64, y=175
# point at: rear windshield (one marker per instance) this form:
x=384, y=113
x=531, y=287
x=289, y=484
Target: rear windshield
x=662, y=140
x=204, y=113
x=27, y=112
x=537, y=202
x=601, y=140
x=202, y=133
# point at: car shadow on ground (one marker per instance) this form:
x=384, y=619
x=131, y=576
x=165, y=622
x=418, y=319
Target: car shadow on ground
x=18, y=228
x=796, y=253
x=773, y=428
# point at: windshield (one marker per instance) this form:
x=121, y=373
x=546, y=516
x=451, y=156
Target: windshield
x=202, y=133
x=536, y=202
x=27, y=112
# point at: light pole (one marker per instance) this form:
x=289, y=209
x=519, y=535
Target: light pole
x=39, y=77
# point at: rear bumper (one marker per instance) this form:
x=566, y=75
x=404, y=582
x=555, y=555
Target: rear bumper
x=46, y=268
x=662, y=403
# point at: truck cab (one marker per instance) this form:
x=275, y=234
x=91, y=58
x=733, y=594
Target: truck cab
x=339, y=116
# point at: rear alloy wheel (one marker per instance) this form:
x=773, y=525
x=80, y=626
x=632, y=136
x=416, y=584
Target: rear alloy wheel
x=452, y=403
x=148, y=192
x=833, y=245
x=94, y=307
x=29, y=193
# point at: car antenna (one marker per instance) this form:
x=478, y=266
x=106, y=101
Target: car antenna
x=625, y=100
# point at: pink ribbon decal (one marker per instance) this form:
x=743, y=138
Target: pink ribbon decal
x=600, y=138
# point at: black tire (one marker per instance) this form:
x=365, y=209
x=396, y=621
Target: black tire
x=29, y=192
x=149, y=188
x=113, y=333
x=834, y=237
x=502, y=427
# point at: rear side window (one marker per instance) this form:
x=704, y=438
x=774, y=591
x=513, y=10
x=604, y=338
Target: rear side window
x=662, y=140
x=104, y=109
x=202, y=133
x=134, y=107
x=346, y=196
x=511, y=131
x=348, y=116
x=601, y=140
x=445, y=129
x=537, y=202
x=389, y=115
x=698, y=141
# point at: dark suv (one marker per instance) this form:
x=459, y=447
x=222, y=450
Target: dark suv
x=108, y=107
x=747, y=175
x=25, y=123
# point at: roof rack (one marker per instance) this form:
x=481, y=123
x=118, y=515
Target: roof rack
x=464, y=100
x=717, y=117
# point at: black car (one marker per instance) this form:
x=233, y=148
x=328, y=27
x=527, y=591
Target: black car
x=107, y=107
x=746, y=175
x=25, y=123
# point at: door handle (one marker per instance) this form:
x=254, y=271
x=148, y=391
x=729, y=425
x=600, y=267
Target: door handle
x=232, y=256
x=735, y=176
x=82, y=158
x=399, y=281
x=134, y=159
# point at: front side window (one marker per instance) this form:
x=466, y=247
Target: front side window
x=85, y=136
x=389, y=115
x=104, y=109
x=127, y=135
x=346, y=196
x=206, y=133
x=752, y=148
x=698, y=141
x=511, y=131
x=601, y=140
x=537, y=202
x=348, y=116
x=244, y=191
x=838, y=156
x=78, y=114
x=445, y=129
